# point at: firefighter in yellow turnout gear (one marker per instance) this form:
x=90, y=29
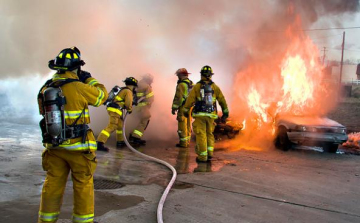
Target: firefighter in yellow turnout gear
x=74, y=148
x=184, y=85
x=204, y=95
x=145, y=91
x=124, y=100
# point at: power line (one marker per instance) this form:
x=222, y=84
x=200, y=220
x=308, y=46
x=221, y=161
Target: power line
x=332, y=28
x=318, y=29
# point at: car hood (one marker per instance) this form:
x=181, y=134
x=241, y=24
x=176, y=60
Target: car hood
x=310, y=121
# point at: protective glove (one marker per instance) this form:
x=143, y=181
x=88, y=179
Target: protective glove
x=173, y=111
x=83, y=75
x=224, y=117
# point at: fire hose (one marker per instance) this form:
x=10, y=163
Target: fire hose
x=166, y=192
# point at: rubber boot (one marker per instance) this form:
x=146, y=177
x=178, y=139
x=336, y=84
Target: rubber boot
x=120, y=144
x=202, y=161
x=101, y=147
x=135, y=140
x=181, y=146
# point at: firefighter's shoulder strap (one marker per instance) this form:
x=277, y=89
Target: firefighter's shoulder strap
x=121, y=89
x=204, y=83
x=188, y=82
x=57, y=83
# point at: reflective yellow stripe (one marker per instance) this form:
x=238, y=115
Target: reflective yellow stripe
x=149, y=95
x=139, y=94
x=76, y=114
x=48, y=216
x=202, y=114
x=214, y=99
x=117, y=98
x=210, y=149
x=175, y=106
x=185, y=139
x=76, y=146
x=105, y=133
x=99, y=98
x=116, y=110
x=226, y=110
x=141, y=104
x=137, y=132
x=93, y=82
x=119, y=131
x=203, y=153
x=83, y=218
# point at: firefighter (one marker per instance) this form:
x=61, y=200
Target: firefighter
x=184, y=85
x=74, y=148
x=204, y=95
x=144, y=91
x=124, y=100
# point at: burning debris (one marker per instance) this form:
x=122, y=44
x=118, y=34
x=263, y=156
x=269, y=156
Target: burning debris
x=353, y=141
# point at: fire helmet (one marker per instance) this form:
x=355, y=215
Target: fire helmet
x=131, y=81
x=206, y=71
x=68, y=59
x=149, y=78
x=182, y=71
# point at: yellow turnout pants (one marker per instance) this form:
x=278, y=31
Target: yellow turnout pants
x=115, y=124
x=145, y=115
x=58, y=163
x=203, y=128
x=184, y=128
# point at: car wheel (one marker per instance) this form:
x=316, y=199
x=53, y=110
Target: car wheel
x=330, y=147
x=282, y=140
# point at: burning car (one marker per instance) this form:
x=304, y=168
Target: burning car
x=308, y=130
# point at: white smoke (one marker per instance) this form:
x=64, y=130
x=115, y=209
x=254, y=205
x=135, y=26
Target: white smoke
x=19, y=98
x=129, y=38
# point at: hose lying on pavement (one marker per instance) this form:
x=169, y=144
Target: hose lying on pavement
x=166, y=192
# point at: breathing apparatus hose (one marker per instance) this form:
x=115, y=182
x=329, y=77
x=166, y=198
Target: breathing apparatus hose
x=166, y=192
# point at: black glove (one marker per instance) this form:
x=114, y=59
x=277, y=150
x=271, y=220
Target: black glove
x=83, y=75
x=129, y=112
x=224, y=117
x=173, y=111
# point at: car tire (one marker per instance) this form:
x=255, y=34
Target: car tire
x=282, y=140
x=330, y=147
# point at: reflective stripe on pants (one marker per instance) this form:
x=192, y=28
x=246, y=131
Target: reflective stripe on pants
x=58, y=163
x=145, y=116
x=184, y=128
x=83, y=218
x=115, y=124
x=203, y=128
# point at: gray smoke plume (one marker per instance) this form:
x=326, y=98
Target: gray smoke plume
x=123, y=38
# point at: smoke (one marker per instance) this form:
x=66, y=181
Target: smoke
x=129, y=38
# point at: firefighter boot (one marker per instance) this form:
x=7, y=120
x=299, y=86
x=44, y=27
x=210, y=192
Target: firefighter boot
x=135, y=140
x=181, y=146
x=101, y=147
x=120, y=144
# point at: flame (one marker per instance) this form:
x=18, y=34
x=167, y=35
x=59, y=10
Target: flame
x=243, y=125
x=292, y=85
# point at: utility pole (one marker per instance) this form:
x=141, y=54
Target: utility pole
x=342, y=57
x=324, y=55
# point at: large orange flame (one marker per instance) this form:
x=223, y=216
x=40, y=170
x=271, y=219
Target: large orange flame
x=294, y=83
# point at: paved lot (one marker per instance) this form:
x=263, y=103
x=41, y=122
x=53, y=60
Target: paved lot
x=243, y=184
